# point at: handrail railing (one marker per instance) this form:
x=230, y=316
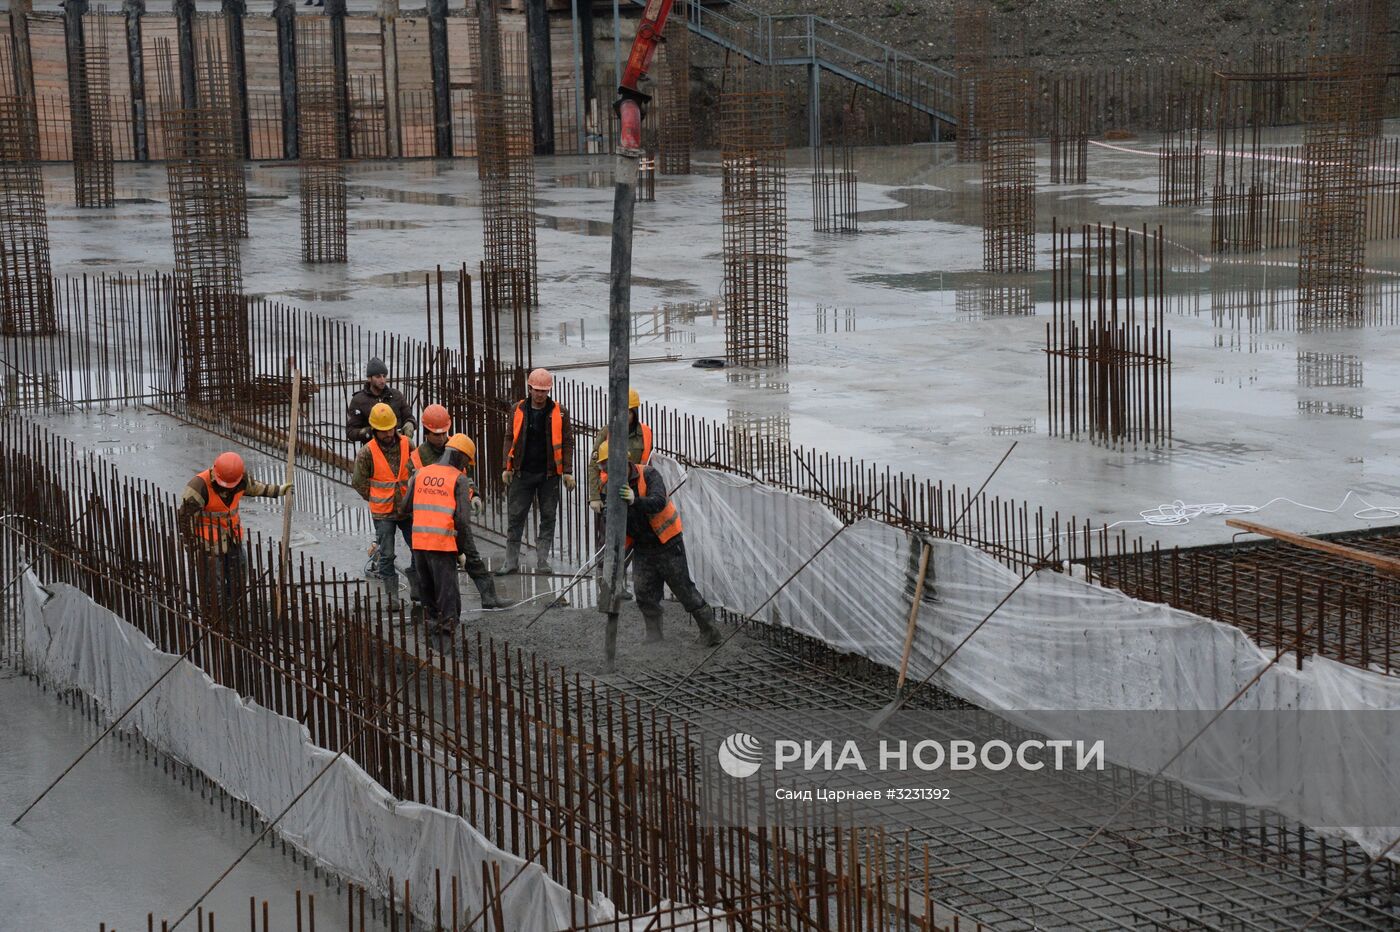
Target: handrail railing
x=811, y=40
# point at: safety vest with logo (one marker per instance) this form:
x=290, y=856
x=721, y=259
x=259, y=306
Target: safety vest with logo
x=385, y=485
x=556, y=436
x=434, y=505
x=666, y=523
x=218, y=519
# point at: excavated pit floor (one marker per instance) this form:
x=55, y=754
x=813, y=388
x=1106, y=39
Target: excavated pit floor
x=892, y=357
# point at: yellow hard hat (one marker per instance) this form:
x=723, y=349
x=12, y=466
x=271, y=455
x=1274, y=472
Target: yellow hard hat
x=463, y=444
x=633, y=399
x=603, y=454
x=381, y=417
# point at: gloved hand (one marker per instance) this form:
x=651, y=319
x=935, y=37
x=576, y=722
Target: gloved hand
x=597, y=506
x=626, y=494
x=285, y=489
x=569, y=482
x=506, y=476
x=477, y=507
x=462, y=560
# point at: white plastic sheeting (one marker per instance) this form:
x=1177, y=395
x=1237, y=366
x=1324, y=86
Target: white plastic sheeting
x=1059, y=643
x=347, y=821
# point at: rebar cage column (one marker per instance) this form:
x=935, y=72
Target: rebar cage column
x=754, y=208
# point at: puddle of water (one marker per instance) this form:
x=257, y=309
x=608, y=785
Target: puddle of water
x=386, y=225
x=591, y=179
x=575, y=225
x=311, y=294
x=396, y=279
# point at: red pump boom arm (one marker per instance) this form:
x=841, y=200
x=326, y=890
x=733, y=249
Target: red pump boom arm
x=630, y=99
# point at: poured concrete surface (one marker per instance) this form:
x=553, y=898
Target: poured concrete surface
x=890, y=361
x=118, y=838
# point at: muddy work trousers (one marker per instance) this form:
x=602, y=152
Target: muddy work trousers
x=653, y=570
x=437, y=584
x=384, y=532
x=528, y=489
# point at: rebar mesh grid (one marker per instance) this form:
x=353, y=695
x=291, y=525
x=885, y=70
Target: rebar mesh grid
x=505, y=157
x=754, y=209
x=90, y=115
x=1008, y=175
x=205, y=196
x=1108, y=372
x=970, y=63
x=1069, y=129
x=319, y=133
x=26, y=275
x=1260, y=872
x=1332, y=229
x=1180, y=176
x=834, y=190
x=673, y=130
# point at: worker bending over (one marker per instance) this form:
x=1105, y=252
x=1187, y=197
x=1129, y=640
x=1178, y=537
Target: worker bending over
x=209, y=518
x=376, y=392
x=539, y=454
x=438, y=506
x=381, y=477
x=658, y=550
x=639, y=445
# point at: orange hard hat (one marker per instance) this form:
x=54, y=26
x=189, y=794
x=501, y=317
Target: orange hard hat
x=541, y=379
x=228, y=469
x=436, y=419
x=463, y=444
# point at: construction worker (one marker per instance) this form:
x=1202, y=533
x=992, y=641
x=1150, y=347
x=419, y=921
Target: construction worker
x=209, y=518
x=639, y=446
x=381, y=477
x=658, y=550
x=539, y=455
x=437, y=425
x=437, y=509
x=376, y=391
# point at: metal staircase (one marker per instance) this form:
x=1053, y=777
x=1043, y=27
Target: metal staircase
x=818, y=44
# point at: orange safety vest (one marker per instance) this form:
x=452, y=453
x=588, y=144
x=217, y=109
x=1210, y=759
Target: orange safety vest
x=646, y=442
x=434, y=504
x=556, y=435
x=384, y=484
x=666, y=522
x=218, y=519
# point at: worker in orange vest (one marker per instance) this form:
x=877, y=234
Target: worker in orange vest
x=209, y=517
x=539, y=455
x=437, y=426
x=639, y=447
x=658, y=550
x=437, y=506
x=381, y=477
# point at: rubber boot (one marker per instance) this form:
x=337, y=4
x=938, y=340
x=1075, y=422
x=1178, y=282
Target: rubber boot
x=487, y=587
x=391, y=595
x=512, y=564
x=705, y=619
x=653, y=623
x=542, y=560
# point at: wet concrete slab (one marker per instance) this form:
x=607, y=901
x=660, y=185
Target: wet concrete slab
x=892, y=358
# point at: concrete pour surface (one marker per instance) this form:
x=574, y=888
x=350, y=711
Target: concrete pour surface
x=890, y=360
x=118, y=839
